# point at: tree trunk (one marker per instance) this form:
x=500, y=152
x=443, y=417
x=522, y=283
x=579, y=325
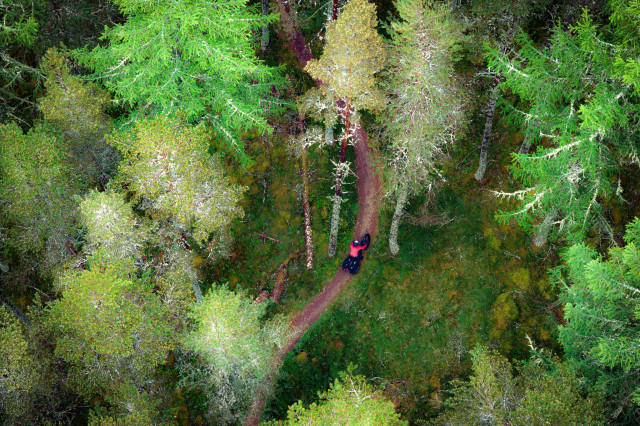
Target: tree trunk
x=264, y=42
x=308, y=236
x=335, y=221
x=397, y=217
x=545, y=227
x=197, y=291
x=484, y=146
x=14, y=310
x=526, y=143
x=328, y=134
x=337, y=200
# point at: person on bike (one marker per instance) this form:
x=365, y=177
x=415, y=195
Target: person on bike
x=355, y=250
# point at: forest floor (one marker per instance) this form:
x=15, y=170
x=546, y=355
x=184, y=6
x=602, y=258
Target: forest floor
x=369, y=198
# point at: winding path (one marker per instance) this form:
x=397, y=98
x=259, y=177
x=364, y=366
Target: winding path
x=369, y=201
x=369, y=197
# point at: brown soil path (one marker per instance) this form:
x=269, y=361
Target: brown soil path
x=369, y=202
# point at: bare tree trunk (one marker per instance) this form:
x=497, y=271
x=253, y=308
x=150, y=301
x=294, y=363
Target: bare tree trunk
x=545, y=227
x=397, y=217
x=264, y=42
x=308, y=236
x=526, y=143
x=14, y=310
x=197, y=291
x=335, y=221
x=328, y=134
x=484, y=146
x=337, y=199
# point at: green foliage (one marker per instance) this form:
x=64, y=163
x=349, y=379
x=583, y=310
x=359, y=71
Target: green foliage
x=350, y=400
x=192, y=56
x=354, y=53
x=73, y=106
x=22, y=371
x=111, y=226
x=110, y=330
x=230, y=336
x=602, y=310
x=583, y=117
x=542, y=393
x=36, y=188
x=167, y=164
x=424, y=112
x=19, y=25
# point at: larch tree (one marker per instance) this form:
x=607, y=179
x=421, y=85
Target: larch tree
x=112, y=228
x=350, y=400
x=24, y=374
x=424, y=112
x=353, y=55
x=238, y=347
x=192, y=56
x=111, y=330
x=545, y=391
x=588, y=120
x=602, y=309
x=167, y=164
x=77, y=109
x=36, y=191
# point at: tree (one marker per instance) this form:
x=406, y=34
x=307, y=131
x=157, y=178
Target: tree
x=110, y=328
x=192, y=56
x=587, y=119
x=495, y=23
x=347, y=71
x=602, y=308
x=545, y=392
x=349, y=400
x=36, y=189
x=22, y=373
x=167, y=165
x=77, y=109
x=111, y=227
x=239, y=350
x=424, y=112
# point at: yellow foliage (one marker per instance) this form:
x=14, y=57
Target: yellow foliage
x=301, y=358
x=520, y=278
x=197, y=261
x=504, y=311
x=494, y=243
x=349, y=62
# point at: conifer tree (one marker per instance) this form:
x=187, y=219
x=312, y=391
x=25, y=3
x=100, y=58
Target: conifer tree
x=349, y=400
x=602, y=309
x=193, y=56
x=23, y=374
x=237, y=347
x=585, y=115
x=77, y=110
x=36, y=189
x=545, y=392
x=352, y=56
x=110, y=328
x=167, y=164
x=425, y=109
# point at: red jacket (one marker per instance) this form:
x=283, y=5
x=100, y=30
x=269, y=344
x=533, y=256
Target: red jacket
x=354, y=250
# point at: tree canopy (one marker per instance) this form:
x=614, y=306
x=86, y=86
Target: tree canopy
x=192, y=56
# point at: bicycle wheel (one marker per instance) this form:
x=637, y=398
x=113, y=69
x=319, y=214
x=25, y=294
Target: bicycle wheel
x=355, y=267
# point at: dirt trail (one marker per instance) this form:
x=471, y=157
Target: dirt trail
x=369, y=201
